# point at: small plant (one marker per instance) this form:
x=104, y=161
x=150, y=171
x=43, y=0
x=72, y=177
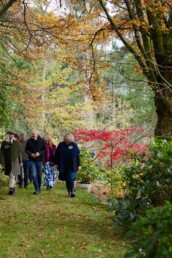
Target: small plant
x=89, y=170
x=113, y=178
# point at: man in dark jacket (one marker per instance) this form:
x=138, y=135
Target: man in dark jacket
x=35, y=148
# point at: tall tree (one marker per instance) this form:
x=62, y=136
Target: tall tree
x=25, y=35
x=144, y=27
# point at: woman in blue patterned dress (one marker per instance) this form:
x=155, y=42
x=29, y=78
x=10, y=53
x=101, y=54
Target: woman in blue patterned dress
x=49, y=169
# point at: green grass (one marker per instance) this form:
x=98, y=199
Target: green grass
x=53, y=225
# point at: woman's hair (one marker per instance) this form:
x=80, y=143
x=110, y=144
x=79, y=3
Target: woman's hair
x=16, y=136
x=48, y=139
x=69, y=137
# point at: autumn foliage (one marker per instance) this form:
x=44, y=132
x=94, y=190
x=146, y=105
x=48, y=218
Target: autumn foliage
x=112, y=147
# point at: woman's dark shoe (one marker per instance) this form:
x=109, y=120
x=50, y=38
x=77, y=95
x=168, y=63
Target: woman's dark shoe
x=72, y=195
x=69, y=194
x=36, y=192
x=10, y=191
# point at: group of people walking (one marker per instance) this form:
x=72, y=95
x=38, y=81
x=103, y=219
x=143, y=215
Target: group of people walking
x=35, y=155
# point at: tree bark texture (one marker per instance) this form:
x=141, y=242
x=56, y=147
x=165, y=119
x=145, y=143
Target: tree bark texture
x=163, y=106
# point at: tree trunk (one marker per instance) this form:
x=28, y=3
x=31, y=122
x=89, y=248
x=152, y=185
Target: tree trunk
x=163, y=104
x=163, y=96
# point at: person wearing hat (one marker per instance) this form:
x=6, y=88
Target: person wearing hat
x=12, y=159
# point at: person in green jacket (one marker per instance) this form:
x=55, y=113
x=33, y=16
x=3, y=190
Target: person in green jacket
x=11, y=158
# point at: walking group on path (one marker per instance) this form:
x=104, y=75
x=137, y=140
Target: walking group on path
x=35, y=155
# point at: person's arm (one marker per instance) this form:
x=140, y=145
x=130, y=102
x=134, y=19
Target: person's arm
x=20, y=155
x=78, y=159
x=27, y=150
x=56, y=157
x=3, y=155
x=43, y=149
x=1, y=158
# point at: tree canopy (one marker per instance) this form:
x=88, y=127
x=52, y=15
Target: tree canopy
x=83, y=31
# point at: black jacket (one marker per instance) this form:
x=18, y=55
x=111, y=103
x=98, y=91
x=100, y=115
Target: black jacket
x=33, y=146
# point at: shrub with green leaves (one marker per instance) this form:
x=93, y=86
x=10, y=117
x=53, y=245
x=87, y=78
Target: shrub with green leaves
x=89, y=171
x=125, y=212
x=153, y=234
x=147, y=183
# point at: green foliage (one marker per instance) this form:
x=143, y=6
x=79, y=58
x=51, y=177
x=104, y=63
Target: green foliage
x=138, y=92
x=5, y=106
x=152, y=233
x=146, y=183
x=89, y=169
x=11, y=111
x=130, y=86
x=114, y=179
x=5, y=87
x=123, y=214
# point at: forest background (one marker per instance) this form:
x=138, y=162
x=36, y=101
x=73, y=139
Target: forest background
x=58, y=75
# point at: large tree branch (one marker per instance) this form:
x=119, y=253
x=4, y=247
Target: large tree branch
x=6, y=7
x=136, y=30
x=127, y=45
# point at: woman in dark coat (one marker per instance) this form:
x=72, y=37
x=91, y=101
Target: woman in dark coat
x=67, y=159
